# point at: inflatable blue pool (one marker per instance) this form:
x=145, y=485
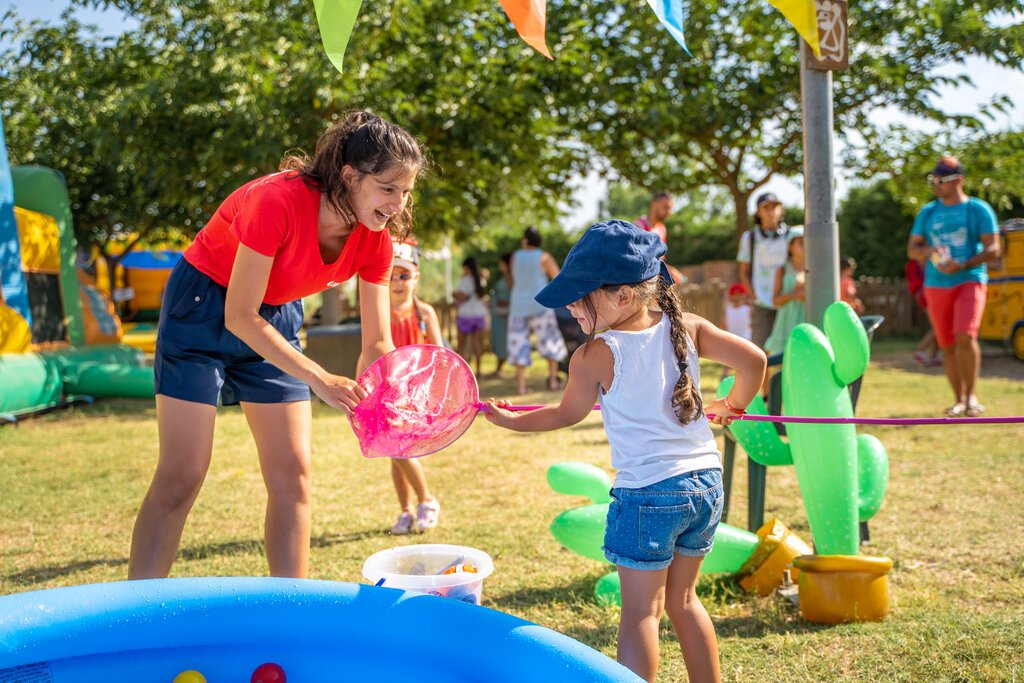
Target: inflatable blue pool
x=315, y=630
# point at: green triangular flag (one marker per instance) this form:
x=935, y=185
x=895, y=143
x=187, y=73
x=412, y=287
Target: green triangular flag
x=336, y=19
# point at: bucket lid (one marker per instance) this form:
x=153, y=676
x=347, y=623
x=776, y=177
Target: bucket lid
x=842, y=563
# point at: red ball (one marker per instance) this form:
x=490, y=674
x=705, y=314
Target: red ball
x=268, y=673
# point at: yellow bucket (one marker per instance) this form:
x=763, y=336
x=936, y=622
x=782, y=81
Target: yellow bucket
x=774, y=554
x=836, y=589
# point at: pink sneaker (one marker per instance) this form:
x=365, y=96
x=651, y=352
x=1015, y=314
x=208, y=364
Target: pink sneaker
x=427, y=515
x=403, y=526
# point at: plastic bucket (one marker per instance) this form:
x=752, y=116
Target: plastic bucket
x=422, y=569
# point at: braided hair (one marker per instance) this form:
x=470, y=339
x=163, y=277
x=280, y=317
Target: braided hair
x=371, y=146
x=686, y=399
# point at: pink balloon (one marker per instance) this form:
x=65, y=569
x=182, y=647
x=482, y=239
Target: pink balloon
x=421, y=398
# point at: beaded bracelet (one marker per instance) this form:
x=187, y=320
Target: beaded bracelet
x=738, y=411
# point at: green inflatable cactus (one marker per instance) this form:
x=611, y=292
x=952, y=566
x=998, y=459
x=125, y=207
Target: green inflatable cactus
x=842, y=476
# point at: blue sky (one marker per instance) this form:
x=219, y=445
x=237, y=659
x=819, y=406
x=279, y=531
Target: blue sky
x=989, y=81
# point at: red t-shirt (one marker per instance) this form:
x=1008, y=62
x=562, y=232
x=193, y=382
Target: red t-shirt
x=276, y=215
x=406, y=329
x=644, y=223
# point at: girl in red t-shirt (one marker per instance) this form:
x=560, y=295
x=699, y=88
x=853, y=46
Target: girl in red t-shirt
x=230, y=320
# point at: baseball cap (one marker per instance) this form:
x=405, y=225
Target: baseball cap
x=407, y=255
x=768, y=197
x=611, y=252
x=946, y=166
x=794, y=232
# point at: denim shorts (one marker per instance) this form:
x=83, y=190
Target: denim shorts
x=646, y=526
x=198, y=360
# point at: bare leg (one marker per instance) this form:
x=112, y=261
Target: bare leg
x=643, y=602
x=186, y=446
x=463, y=346
x=478, y=349
x=521, y=379
x=968, y=358
x=402, y=487
x=931, y=343
x=952, y=367
x=553, y=382
x=694, y=628
x=411, y=472
x=283, y=433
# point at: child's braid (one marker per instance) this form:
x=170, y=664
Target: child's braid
x=685, y=398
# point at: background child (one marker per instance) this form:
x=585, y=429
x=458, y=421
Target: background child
x=644, y=368
x=499, y=313
x=847, y=285
x=472, y=312
x=737, y=312
x=412, y=322
x=927, y=351
x=788, y=294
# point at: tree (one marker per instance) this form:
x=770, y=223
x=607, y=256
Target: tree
x=699, y=229
x=154, y=128
x=874, y=227
x=732, y=115
x=994, y=165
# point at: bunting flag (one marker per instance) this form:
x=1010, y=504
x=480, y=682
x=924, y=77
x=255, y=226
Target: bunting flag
x=529, y=17
x=803, y=15
x=336, y=19
x=670, y=13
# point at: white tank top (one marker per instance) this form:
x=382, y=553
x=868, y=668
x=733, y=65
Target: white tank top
x=648, y=443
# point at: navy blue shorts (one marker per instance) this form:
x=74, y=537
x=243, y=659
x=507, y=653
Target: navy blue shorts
x=197, y=359
x=680, y=515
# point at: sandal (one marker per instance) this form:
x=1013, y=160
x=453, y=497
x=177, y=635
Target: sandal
x=554, y=384
x=956, y=410
x=974, y=409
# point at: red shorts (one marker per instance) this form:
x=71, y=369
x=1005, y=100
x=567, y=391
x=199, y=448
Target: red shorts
x=956, y=310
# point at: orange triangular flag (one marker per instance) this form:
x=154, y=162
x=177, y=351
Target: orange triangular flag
x=529, y=17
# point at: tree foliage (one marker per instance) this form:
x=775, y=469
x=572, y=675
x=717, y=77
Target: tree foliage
x=732, y=115
x=154, y=128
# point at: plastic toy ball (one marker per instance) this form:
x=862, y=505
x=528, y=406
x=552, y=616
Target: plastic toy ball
x=190, y=676
x=268, y=673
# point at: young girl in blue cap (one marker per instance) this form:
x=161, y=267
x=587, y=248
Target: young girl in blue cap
x=641, y=361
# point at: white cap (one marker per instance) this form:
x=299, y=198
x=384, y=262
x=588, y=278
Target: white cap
x=407, y=256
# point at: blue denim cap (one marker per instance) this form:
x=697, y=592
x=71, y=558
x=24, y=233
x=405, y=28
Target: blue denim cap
x=609, y=253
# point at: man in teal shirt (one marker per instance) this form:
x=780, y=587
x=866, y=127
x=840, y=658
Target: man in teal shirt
x=954, y=236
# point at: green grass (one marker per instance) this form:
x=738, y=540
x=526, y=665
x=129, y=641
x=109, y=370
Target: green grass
x=953, y=522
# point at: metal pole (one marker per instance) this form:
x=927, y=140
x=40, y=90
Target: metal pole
x=821, y=232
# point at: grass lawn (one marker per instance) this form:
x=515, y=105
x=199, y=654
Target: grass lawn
x=952, y=521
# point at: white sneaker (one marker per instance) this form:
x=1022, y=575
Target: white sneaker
x=427, y=515
x=403, y=526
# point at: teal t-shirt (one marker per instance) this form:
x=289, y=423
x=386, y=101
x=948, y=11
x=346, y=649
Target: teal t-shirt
x=959, y=228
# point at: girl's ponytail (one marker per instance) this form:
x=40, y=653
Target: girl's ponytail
x=686, y=398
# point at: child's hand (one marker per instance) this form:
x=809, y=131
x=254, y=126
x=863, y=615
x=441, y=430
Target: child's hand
x=495, y=412
x=722, y=415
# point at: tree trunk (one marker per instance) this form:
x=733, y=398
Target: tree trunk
x=739, y=200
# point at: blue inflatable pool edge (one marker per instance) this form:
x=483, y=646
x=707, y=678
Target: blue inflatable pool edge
x=316, y=630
